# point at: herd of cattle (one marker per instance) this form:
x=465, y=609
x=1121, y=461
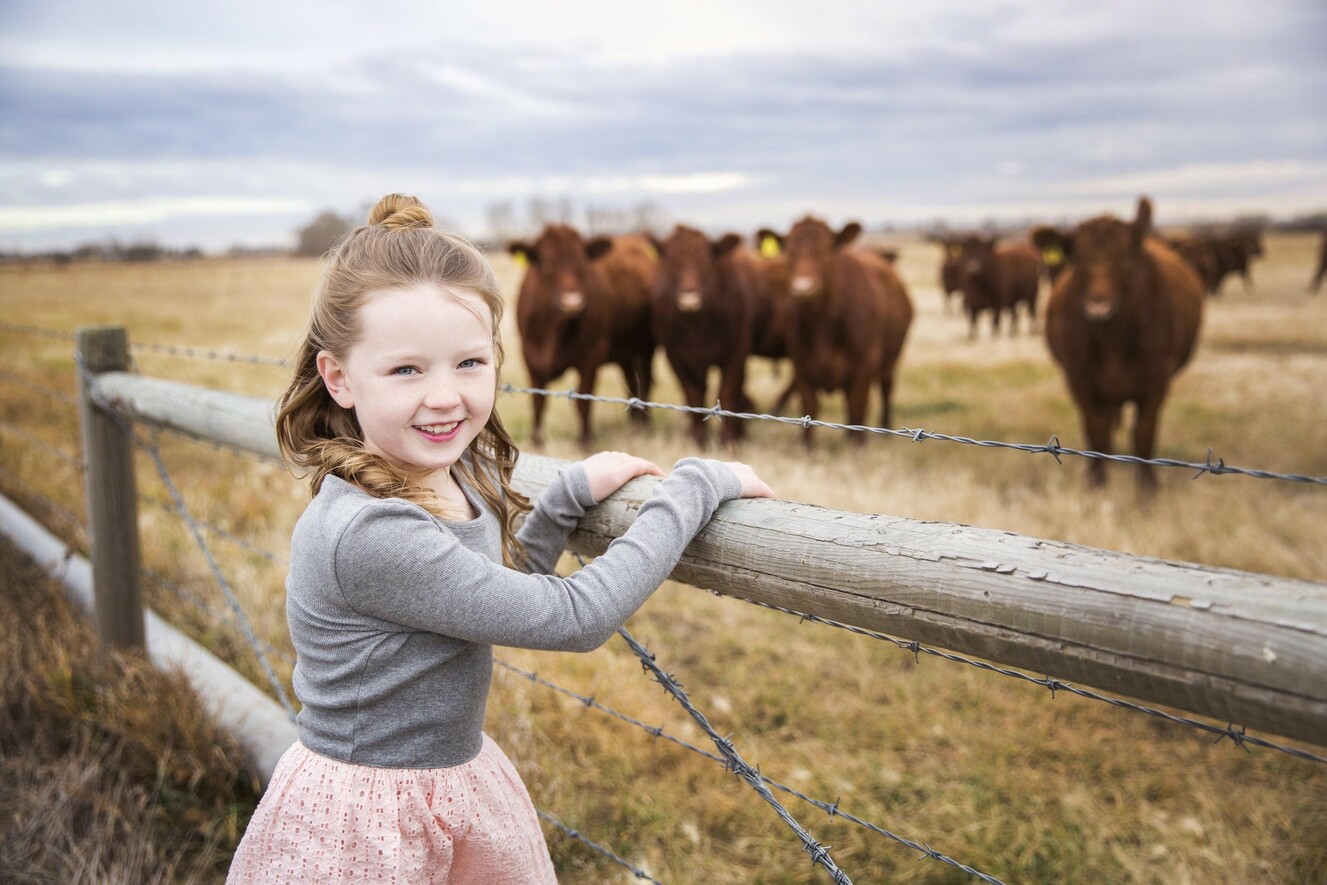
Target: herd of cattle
x=1121, y=319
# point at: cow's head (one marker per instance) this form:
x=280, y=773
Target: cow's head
x=688, y=277
x=976, y=256
x=562, y=258
x=1056, y=247
x=810, y=248
x=1107, y=257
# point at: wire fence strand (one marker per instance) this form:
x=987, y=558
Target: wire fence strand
x=1236, y=735
x=833, y=809
x=1214, y=466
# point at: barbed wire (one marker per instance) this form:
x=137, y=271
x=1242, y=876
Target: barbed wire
x=830, y=808
x=145, y=347
x=217, y=615
x=1053, y=447
x=154, y=453
x=205, y=354
x=583, y=839
x=60, y=512
x=736, y=764
x=42, y=445
x=1237, y=735
x=233, y=538
x=36, y=331
x=49, y=392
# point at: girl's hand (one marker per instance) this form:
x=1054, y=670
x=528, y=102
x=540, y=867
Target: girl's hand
x=609, y=471
x=752, y=485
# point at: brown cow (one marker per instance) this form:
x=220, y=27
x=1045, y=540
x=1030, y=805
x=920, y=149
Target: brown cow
x=1200, y=251
x=848, y=317
x=998, y=278
x=582, y=305
x=1322, y=265
x=1215, y=256
x=951, y=251
x=703, y=311
x=1121, y=321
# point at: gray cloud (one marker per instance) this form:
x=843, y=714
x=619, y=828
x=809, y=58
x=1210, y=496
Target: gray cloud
x=987, y=111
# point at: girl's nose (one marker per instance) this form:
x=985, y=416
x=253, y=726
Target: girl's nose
x=442, y=394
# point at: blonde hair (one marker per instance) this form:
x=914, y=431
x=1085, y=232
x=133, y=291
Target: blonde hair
x=398, y=247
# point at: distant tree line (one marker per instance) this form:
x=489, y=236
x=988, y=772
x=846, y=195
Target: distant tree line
x=505, y=223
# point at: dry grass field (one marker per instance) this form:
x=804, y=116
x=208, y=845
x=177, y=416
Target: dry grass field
x=987, y=770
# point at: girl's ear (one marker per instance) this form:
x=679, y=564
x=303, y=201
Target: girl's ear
x=334, y=379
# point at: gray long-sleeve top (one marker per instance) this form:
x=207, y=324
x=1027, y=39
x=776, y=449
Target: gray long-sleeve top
x=393, y=612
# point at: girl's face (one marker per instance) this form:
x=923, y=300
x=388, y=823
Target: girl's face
x=421, y=378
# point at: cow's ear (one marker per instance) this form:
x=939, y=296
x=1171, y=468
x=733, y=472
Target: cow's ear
x=656, y=243
x=850, y=232
x=523, y=252
x=728, y=243
x=1142, y=222
x=598, y=248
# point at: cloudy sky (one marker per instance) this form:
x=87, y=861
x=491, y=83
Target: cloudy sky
x=229, y=123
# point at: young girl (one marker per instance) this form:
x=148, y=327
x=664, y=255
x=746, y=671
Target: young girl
x=408, y=566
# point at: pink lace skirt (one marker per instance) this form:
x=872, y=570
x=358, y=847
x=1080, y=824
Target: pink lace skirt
x=321, y=820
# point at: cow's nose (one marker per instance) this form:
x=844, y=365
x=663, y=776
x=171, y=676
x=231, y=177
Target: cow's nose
x=571, y=302
x=803, y=285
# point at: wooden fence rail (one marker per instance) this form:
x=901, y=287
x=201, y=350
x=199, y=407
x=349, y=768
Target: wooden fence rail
x=1244, y=648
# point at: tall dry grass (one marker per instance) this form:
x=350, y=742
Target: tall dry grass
x=109, y=771
x=992, y=772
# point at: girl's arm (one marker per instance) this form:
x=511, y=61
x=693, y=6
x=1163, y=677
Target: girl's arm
x=395, y=563
x=560, y=508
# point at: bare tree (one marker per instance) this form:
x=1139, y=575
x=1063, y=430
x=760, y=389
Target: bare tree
x=321, y=234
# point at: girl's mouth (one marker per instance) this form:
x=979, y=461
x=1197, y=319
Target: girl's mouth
x=439, y=432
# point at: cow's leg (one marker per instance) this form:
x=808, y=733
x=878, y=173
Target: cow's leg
x=588, y=376
x=692, y=379
x=537, y=403
x=1097, y=423
x=732, y=395
x=972, y=325
x=806, y=392
x=639, y=376
x=1145, y=436
x=887, y=398
x=858, y=395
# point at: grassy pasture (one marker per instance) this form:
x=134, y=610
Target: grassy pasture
x=986, y=770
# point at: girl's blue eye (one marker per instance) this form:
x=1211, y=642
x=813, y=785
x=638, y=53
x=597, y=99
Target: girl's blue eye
x=404, y=370
x=469, y=364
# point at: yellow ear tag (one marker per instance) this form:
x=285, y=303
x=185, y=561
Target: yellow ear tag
x=654, y=253
x=521, y=260
x=769, y=248
x=1053, y=256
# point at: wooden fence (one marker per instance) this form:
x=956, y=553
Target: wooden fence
x=1243, y=648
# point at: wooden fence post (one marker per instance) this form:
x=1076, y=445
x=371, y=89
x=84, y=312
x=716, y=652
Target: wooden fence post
x=112, y=496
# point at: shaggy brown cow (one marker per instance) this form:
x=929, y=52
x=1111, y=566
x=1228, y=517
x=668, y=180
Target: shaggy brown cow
x=1121, y=321
x=1322, y=265
x=848, y=317
x=703, y=311
x=582, y=305
x=998, y=278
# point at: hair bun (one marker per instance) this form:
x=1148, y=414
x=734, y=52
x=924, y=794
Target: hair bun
x=401, y=212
